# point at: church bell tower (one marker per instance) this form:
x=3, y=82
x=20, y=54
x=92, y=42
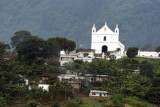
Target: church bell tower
x=93, y=29
x=117, y=30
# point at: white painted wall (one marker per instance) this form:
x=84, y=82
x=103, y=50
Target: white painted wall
x=44, y=86
x=147, y=53
x=112, y=39
x=66, y=58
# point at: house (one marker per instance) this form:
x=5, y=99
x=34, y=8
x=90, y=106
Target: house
x=72, y=79
x=147, y=53
x=10, y=56
x=76, y=55
x=64, y=58
x=45, y=76
x=45, y=87
x=91, y=77
x=98, y=93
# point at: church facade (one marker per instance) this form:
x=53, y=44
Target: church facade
x=105, y=40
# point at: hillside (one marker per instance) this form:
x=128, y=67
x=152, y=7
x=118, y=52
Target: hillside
x=139, y=20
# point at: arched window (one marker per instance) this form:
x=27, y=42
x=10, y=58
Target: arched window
x=104, y=38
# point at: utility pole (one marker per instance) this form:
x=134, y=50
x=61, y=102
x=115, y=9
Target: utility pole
x=77, y=42
x=124, y=40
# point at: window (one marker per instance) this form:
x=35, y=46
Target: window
x=93, y=93
x=104, y=38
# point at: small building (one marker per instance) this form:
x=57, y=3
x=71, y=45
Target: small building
x=72, y=79
x=26, y=81
x=45, y=76
x=91, y=77
x=147, y=53
x=10, y=56
x=158, y=54
x=45, y=87
x=76, y=55
x=64, y=58
x=97, y=93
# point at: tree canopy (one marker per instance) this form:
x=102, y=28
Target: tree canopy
x=3, y=48
x=19, y=36
x=158, y=49
x=65, y=44
x=30, y=48
x=132, y=52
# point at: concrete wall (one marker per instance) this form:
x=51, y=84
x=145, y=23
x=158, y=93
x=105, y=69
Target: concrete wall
x=147, y=53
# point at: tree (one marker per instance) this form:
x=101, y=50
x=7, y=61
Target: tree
x=132, y=52
x=85, y=54
x=117, y=100
x=30, y=49
x=70, y=46
x=34, y=47
x=107, y=54
x=154, y=92
x=135, y=85
x=158, y=49
x=62, y=42
x=101, y=67
x=33, y=104
x=53, y=47
x=3, y=48
x=65, y=44
x=146, y=69
x=118, y=50
x=19, y=36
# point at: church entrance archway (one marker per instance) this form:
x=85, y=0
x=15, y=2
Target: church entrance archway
x=104, y=48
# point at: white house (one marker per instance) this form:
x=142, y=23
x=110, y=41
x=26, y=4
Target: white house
x=98, y=93
x=64, y=58
x=147, y=53
x=44, y=86
x=79, y=55
x=105, y=40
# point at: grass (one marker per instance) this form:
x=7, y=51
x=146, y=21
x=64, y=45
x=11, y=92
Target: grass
x=136, y=102
x=103, y=102
x=98, y=102
x=92, y=102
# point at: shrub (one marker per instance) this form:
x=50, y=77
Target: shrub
x=85, y=54
x=56, y=104
x=79, y=101
x=117, y=99
x=72, y=103
x=33, y=103
x=135, y=101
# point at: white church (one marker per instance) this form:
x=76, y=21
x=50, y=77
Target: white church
x=103, y=40
x=106, y=40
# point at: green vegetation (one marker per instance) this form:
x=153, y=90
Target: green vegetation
x=116, y=100
x=132, y=52
x=19, y=37
x=3, y=48
x=31, y=64
x=135, y=81
x=124, y=78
